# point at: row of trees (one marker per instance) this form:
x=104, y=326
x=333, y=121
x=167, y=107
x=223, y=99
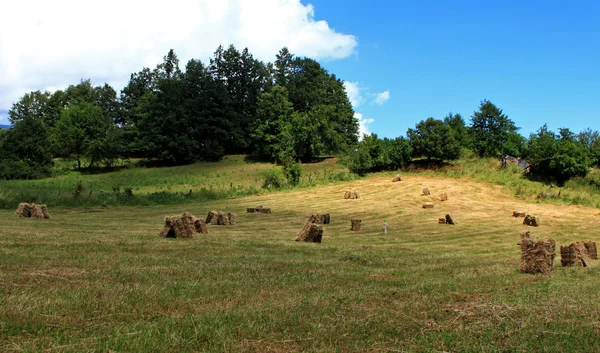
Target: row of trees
x=236, y=104
x=552, y=156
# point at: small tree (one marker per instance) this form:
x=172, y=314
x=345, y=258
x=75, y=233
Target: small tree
x=433, y=139
x=490, y=130
x=292, y=170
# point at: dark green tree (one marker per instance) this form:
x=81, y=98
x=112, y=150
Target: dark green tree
x=556, y=157
x=25, y=150
x=490, y=130
x=33, y=105
x=433, y=139
x=458, y=126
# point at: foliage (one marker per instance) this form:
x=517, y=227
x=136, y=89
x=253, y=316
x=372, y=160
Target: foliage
x=292, y=170
x=490, y=130
x=375, y=154
x=86, y=131
x=556, y=156
x=25, y=151
x=433, y=139
x=461, y=132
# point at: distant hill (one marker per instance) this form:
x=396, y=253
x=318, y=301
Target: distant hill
x=5, y=126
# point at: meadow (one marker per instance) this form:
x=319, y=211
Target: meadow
x=99, y=279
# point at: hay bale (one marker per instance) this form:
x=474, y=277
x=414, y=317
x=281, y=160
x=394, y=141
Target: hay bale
x=36, y=211
x=222, y=219
x=355, y=224
x=351, y=194
x=591, y=249
x=441, y=220
x=258, y=209
x=428, y=205
x=537, y=256
x=319, y=218
x=311, y=233
x=200, y=226
x=211, y=218
x=45, y=211
x=519, y=214
x=231, y=218
x=444, y=197
x=450, y=219
x=575, y=255
x=179, y=226
x=22, y=210
x=397, y=178
x=533, y=221
x=426, y=192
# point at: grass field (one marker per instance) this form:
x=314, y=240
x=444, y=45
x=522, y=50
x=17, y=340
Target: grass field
x=98, y=279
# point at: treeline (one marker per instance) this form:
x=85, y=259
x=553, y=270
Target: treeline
x=550, y=156
x=235, y=104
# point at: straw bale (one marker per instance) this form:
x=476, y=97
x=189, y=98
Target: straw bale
x=444, y=197
x=251, y=210
x=45, y=211
x=211, y=218
x=533, y=221
x=441, y=220
x=351, y=194
x=258, y=209
x=319, y=218
x=519, y=214
x=21, y=210
x=355, y=224
x=200, y=226
x=397, y=178
x=311, y=233
x=36, y=211
x=450, y=219
x=537, y=256
x=591, y=248
x=575, y=255
x=231, y=218
x=179, y=226
x=426, y=192
x=428, y=205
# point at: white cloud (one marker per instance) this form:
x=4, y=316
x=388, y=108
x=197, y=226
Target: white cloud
x=47, y=44
x=382, y=97
x=354, y=93
x=363, y=123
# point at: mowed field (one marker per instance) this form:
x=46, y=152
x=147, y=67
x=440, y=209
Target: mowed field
x=100, y=280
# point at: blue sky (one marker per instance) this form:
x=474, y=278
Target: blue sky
x=537, y=60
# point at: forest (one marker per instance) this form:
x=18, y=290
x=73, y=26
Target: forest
x=289, y=110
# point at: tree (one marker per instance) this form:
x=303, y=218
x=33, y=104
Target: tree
x=33, y=105
x=25, y=151
x=433, y=139
x=273, y=115
x=375, y=154
x=86, y=131
x=490, y=129
x=556, y=157
x=458, y=126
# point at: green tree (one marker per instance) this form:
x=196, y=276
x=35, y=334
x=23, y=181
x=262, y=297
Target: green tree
x=85, y=131
x=433, y=139
x=490, y=130
x=25, y=151
x=556, y=157
x=273, y=115
x=33, y=105
x=458, y=126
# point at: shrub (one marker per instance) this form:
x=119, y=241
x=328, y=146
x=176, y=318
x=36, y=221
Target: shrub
x=292, y=170
x=273, y=178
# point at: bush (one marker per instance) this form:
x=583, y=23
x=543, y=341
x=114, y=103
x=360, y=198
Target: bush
x=273, y=178
x=292, y=170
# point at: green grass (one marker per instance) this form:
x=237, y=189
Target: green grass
x=98, y=279
x=232, y=177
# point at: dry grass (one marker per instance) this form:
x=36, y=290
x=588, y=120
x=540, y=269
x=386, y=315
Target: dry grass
x=101, y=280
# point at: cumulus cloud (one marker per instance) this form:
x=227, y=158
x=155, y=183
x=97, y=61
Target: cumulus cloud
x=45, y=44
x=363, y=128
x=382, y=97
x=354, y=94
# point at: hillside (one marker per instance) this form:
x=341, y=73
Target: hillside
x=99, y=279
